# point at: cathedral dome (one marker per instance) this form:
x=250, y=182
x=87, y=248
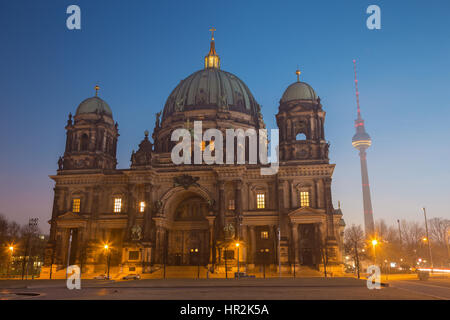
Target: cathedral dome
x=94, y=105
x=211, y=88
x=299, y=91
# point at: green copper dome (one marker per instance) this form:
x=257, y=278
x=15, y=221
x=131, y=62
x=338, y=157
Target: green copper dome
x=211, y=88
x=94, y=105
x=299, y=91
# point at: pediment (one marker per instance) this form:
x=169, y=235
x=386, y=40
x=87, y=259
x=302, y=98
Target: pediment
x=304, y=211
x=69, y=215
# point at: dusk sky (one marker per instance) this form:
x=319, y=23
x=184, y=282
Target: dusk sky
x=138, y=51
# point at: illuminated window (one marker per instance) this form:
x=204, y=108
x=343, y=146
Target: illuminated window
x=264, y=235
x=141, y=206
x=211, y=146
x=260, y=200
x=117, y=205
x=202, y=145
x=231, y=205
x=304, y=199
x=76, y=205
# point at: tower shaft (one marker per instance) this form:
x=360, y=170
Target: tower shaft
x=367, y=201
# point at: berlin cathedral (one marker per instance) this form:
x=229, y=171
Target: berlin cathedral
x=156, y=214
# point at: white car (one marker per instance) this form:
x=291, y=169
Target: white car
x=132, y=276
x=101, y=277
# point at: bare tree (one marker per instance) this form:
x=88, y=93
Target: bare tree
x=353, y=241
x=438, y=228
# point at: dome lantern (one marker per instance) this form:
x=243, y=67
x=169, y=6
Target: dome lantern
x=212, y=60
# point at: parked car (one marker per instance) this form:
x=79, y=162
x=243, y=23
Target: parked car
x=101, y=277
x=132, y=276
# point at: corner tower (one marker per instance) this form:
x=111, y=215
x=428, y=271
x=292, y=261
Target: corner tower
x=301, y=123
x=91, y=137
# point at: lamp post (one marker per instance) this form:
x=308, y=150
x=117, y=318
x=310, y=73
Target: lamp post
x=11, y=250
x=374, y=244
x=237, y=246
x=197, y=257
x=279, y=251
x=226, y=265
x=357, y=259
x=447, y=231
x=108, y=251
x=428, y=238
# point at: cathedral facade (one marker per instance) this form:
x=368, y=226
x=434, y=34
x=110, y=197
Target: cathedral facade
x=156, y=213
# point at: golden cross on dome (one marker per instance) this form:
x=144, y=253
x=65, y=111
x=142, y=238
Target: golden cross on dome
x=96, y=90
x=212, y=32
x=297, y=72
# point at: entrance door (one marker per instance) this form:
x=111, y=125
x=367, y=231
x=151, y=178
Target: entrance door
x=307, y=257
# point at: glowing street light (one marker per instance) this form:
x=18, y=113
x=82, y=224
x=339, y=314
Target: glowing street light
x=237, y=246
x=374, y=244
x=427, y=237
x=106, y=247
x=11, y=250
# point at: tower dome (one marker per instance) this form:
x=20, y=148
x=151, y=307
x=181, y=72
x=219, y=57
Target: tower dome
x=299, y=91
x=94, y=105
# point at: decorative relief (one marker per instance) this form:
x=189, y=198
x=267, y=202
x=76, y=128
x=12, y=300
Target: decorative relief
x=185, y=181
x=136, y=232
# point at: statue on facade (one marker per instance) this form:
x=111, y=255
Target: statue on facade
x=60, y=163
x=157, y=119
x=136, y=232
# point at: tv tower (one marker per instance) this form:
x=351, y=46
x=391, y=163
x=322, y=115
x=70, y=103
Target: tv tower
x=361, y=141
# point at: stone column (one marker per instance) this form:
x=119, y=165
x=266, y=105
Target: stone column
x=221, y=185
x=253, y=244
x=245, y=245
x=211, y=219
x=316, y=193
x=249, y=197
x=158, y=251
x=313, y=128
x=147, y=212
x=295, y=242
x=329, y=207
x=274, y=239
x=280, y=208
x=130, y=211
x=238, y=208
x=291, y=194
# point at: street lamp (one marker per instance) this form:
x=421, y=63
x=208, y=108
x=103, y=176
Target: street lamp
x=374, y=244
x=11, y=250
x=429, y=245
x=237, y=246
x=108, y=251
x=447, y=232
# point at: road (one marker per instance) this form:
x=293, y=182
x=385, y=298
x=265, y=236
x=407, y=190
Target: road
x=438, y=288
x=221, y=289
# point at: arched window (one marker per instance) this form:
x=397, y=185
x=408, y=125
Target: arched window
x=300, y=136
x=84, y=142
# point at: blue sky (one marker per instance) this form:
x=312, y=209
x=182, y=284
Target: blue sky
x=138, y=51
